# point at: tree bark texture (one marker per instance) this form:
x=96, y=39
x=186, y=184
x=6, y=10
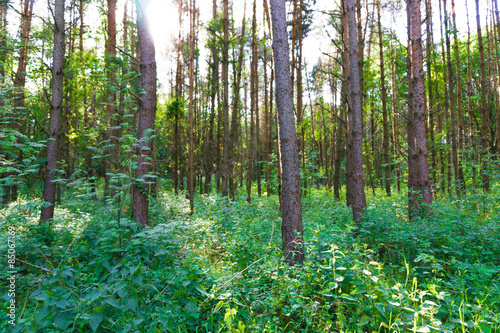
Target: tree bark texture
x=484, y=106
x=291, y=193
x=420, y=178
x=355, y=124
x=147, y=114
x=49, y=189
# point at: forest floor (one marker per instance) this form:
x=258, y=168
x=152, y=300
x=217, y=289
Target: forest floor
x=221, y=269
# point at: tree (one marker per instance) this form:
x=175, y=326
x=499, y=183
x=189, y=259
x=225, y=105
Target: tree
x=387, y=167
x=291, y=228
x=147, y=114
x=484, y=106
x=355, y=118
x=225, y=99
x=418, y=174
x=191, y=107
x=49, y=189
x=111, y=162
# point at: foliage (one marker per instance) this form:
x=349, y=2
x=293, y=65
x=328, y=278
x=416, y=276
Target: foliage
x=221, y=270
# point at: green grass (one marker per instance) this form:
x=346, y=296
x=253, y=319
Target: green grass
x=221, y=270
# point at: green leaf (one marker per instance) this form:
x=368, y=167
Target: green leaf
x=62, y=320
x=111, y=301
x=364, y=320
x=95, y=320
x=132, y=303
x=44, y=311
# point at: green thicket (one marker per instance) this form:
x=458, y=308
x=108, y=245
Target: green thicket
x=221, y=270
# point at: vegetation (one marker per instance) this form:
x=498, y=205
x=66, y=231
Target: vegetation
x=222, y=269
x=247, y=193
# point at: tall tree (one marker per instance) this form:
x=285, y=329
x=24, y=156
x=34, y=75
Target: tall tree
x=419, y=178
x=387, y=167
x=235, y=118
x=147, y=114
x=484, y=105
x=111, y=162
x=191, y=106
x=356, y=117
x=291, y=228
x=225, y=99
x=49, y=189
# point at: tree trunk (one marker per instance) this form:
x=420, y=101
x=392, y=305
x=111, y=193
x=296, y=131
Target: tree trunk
x=387, y=167
x=225, y=100
x=451, y=101
x=484, y=107
x=395, y=122
x=147, y=114
x=191, y=185
x=49, y=189
x=417, y=109
x=355, y=124
x=431, y=97
x=235, y=118
x=111, y=161
x=291, y=228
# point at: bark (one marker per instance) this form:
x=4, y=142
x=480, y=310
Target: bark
x=191, y=185
x=418, y=112
x=484, y=107
x=461, y=139
x=235, y=118
x=291, y=228
x=225, y=100
x=395, y=121
x=18, y=101
x=213, y=98
x=387, y=167
x=453, y=125
x=469, y=99
x=177, y=151
x=49, y=189
x=431, y=103
x=355, y=124
x=346, y=105
x=497, y=95
x=147, y=114
x=111, y=161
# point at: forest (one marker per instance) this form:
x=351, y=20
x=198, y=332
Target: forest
x=249, y=166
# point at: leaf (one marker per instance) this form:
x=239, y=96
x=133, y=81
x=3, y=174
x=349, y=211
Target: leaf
x=95, y=320
x=364, y=320
x=359, y=290
x=132, y=302
x=62, y=320
x=202, y=291
x=61, y=303
x=44, y=311
x=111, y=301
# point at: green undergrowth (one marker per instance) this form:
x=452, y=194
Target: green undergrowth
x=221, y=269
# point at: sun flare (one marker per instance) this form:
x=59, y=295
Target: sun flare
x=163, y=21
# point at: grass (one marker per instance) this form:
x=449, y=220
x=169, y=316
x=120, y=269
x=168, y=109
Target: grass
x=221, y=270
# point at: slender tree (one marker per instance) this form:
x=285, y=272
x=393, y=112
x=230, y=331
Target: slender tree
x=147, y=114
x=418, y=148
x=49, y=189
x=191, y=106
x=484, y=105
x=291, y=227
x=112, y=159
x=225, y=99
x=356, y=116
x=387, y=166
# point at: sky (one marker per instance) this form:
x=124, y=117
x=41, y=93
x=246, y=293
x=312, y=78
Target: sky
x=163, y=17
